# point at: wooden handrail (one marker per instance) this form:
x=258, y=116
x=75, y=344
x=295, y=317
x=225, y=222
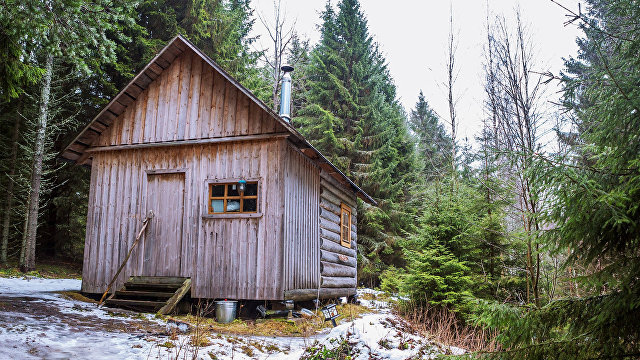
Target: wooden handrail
x=144, y=226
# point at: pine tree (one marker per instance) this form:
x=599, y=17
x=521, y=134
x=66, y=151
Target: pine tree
x=10, y=167
x=459, y=245
x=16, y=29
x=352, y=116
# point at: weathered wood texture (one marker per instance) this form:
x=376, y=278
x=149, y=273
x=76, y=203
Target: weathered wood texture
x=188, y=100
x=301, y=224
x=153, y=149
x=323, y=293
x=162, y=246
x=175, y=298
x=238, y=258
x=338, y=282
x=182, y=96
x=118, y=104
x=338, y=263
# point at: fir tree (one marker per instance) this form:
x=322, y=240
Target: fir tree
x=46, y=32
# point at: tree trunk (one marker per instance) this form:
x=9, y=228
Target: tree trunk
x=280, y=38
x=8, y=209
x=451, y=78
x=28, y=256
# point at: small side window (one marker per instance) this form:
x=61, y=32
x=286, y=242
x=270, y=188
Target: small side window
x=345, y=225
x=225, y=198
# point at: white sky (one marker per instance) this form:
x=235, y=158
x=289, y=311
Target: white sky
x=413, y=36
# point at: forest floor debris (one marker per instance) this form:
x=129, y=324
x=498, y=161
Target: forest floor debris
x=47, y=318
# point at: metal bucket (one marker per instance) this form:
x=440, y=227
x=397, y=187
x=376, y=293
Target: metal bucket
x=226, y=311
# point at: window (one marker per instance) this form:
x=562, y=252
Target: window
x=224, y=198
x=345, y=225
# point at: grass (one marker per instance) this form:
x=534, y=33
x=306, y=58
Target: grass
x=383, y=297
x=276, y=326
x=445, y=327
x=46, y=270
x=260, y=327
x=74, y=295
x=337, y=349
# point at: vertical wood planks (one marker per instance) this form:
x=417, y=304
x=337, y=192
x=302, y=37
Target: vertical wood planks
x=233, y=258
x=301, y=238
x=193, y=103
x=188, y=100
x=241, y=258
x=256, y=258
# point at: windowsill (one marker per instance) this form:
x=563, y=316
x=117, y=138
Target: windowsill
x=232, y=216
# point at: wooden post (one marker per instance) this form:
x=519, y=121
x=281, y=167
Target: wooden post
x=144, y=226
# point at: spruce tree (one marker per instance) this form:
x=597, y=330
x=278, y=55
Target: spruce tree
x=221, y=29
x=298, y=55
x=595, y=188
x=434, y=145
x=354, y=118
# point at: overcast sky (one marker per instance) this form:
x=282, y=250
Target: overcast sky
x=413, y=35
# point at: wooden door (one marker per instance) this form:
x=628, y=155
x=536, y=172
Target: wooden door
x=163, y=241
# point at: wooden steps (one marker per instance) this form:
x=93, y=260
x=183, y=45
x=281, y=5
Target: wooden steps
x=136, y=303
x=123, y=294
x=151, y=293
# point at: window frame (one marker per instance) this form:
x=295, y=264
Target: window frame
x=208, y=211
x=344, y=208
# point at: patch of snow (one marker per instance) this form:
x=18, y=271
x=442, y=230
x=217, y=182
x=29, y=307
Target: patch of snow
x=28, y=285
x=375, y=336
x=37, y=322
x=456, y=350
x=374, y=304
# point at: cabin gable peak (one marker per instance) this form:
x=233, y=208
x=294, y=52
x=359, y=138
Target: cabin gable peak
x=182, y=97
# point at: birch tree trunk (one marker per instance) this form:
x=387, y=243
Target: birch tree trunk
x=6, y=220
x=28, y=253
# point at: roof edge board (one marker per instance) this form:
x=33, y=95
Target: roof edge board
x=115, y=98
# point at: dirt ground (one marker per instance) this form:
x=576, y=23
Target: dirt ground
x=43, y=327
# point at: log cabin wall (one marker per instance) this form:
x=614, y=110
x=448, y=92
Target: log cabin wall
x=337, y=262
x=188, y=100
x=301, y=224
x=237, y=258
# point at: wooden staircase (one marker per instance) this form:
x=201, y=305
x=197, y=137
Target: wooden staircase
x=158, y=294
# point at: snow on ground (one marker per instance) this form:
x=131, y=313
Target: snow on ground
x=38, y=322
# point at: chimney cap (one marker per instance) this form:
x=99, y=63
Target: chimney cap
x=286, y=68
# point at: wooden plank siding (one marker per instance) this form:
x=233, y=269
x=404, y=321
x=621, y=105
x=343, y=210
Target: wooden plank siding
x=187, y=101
x=236, y=258
x=301, y=224
x=180, y=125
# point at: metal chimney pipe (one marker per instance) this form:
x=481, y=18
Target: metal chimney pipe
x=285, y=93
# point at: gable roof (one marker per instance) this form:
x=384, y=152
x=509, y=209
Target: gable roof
x=76, y=150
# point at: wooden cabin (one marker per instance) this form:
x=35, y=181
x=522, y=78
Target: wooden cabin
x=179, y=140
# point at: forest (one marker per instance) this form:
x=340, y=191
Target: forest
x=529, y=239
